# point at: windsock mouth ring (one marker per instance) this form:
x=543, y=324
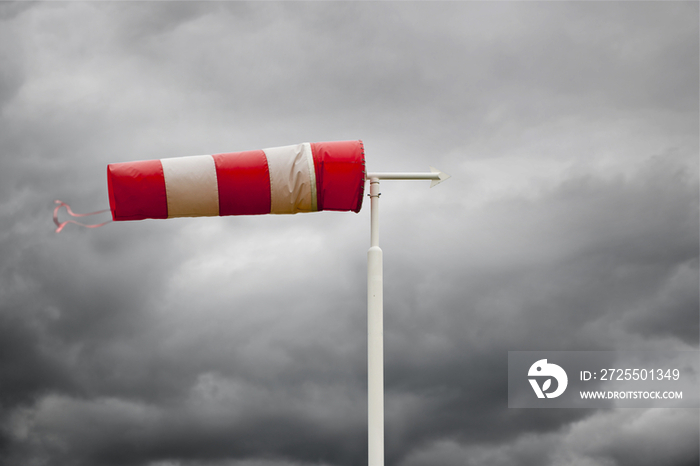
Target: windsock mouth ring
x=340, y=175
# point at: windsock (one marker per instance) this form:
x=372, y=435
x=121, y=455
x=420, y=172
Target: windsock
x=306, y=177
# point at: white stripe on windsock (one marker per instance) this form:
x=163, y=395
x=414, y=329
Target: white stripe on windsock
x=292, y=179
x=191, y=186
x=312, y=175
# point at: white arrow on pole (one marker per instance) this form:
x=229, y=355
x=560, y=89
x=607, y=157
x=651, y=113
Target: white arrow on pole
x=375, y=313
x=436, y=175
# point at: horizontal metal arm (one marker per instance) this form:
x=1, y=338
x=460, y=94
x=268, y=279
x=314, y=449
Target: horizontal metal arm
x=403, y=176
x=436, y=175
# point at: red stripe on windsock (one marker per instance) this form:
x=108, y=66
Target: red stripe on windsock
x=340, y=174
x=137, y=190
x=244, y=183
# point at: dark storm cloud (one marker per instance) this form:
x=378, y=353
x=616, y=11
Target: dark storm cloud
x=588, y=252
x=583, y=260
x=570, y=223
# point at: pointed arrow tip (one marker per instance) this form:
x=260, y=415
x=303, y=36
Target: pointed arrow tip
x=442, y=176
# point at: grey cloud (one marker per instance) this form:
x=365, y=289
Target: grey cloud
x=570, y=223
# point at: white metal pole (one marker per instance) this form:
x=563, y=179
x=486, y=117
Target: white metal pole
x=375, y=334
x=375, y=314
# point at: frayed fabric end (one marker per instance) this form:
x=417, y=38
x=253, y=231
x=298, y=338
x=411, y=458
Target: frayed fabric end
x=60, y=225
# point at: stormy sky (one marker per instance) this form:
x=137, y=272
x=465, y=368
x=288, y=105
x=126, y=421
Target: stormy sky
x=570, y=223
